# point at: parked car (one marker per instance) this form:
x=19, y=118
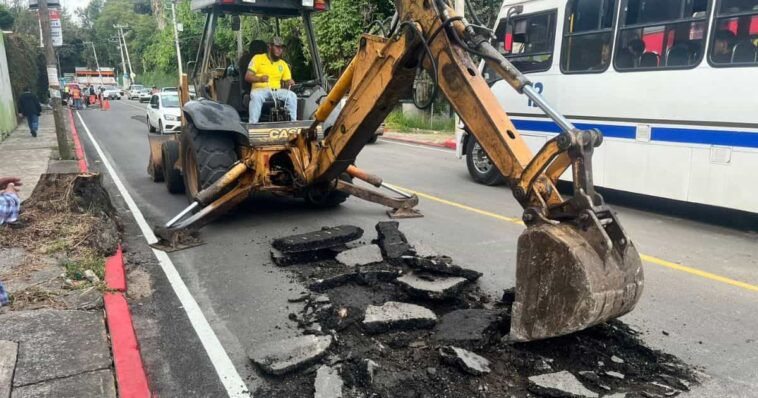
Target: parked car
x=112, y=92
x=163, y=113
x=145, y=94
x=134, y=90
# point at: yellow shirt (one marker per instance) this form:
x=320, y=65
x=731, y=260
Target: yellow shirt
x=277, y=71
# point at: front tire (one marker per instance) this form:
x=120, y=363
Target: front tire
x=206, y=157
x=480, y=166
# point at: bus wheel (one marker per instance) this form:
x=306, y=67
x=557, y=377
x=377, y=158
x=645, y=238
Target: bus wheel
x=479, y=165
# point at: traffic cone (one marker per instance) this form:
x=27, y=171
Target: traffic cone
x=106, y=104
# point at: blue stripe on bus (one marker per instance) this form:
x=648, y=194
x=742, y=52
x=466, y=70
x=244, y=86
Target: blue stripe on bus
x=711, y=137
x=667, y=134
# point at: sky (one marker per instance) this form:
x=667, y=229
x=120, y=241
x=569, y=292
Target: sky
x=72, y=5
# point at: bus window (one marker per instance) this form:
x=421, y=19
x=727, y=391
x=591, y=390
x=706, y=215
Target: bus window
x=587, y=36
x=735, y=34
x=661, y=34
x=527, y=40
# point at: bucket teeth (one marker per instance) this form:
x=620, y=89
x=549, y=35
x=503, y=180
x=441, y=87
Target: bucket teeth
x=565, y=284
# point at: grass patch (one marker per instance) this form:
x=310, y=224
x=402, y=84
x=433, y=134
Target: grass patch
x=87, y=259
x=406, y=124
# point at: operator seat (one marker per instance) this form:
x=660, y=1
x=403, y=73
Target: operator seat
x=256, y=47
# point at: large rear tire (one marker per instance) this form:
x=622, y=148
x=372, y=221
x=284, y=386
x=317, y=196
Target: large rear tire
x=479, y=165
x=326, y=196
x=171, y=176
x=206, y=157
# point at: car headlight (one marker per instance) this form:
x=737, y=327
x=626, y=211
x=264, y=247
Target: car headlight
x=171, y=118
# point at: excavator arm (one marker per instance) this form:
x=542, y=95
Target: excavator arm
x=576, y=267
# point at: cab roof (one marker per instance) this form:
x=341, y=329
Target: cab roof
x=267, y=8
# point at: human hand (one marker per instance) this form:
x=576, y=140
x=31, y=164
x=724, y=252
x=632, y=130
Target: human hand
x=263, y=78
x=9, y=180
x=11, y=188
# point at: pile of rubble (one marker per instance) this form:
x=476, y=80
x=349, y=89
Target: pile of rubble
x=387, y=319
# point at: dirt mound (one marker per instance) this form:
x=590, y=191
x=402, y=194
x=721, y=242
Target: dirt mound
x=606, y=359
x=70, y=211
x=66, y=229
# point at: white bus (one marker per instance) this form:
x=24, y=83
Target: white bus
x=672, y=85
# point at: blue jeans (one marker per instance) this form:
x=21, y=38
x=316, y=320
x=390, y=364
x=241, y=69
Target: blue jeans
x=33, y=121
x=261, y=95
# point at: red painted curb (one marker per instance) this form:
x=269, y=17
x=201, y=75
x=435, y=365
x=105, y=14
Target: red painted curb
x=115, y=276
x=77, y=144
x=449, y=144
x=130, y=372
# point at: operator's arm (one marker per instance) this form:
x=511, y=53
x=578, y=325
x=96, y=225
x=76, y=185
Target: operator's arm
x=287, y=81
x=251, y=76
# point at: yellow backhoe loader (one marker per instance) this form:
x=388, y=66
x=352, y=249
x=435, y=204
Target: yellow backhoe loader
x=576, y=267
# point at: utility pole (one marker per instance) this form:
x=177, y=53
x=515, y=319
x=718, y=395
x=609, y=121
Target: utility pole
x=54, y=85
x=123, y=62
x=126, y=49
x=176, y=40
x=97, y=64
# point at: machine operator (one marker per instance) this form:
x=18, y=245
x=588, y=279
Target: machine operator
x=270, y=77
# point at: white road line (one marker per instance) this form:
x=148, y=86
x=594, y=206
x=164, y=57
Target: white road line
x=428, y=148
x=230, y=378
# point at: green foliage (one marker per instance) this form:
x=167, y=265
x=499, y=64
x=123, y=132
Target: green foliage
x=26, y=65
x=405, y=123
x=158, y=78
x=338, y=30
x=6, y=18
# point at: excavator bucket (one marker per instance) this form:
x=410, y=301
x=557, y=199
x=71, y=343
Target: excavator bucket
x=569, y=278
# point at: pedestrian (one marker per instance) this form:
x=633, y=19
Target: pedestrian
x=76, y=94
x=10, y=204
x=91, y=94
x=29, y=107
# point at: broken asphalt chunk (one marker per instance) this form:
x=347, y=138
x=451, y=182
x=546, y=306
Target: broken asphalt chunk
x=284, y=356
x=318, y=240
x=559, y=384
x=442, y=265
x=466, y=325
x=431, y=287
x=465, y=360
x=329, y=283
x=362, y=255
x=328, y=383
x=392, y=242
x=284, y=260
x=397, y=316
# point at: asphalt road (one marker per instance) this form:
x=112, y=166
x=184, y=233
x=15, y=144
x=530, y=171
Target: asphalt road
x=699, y=302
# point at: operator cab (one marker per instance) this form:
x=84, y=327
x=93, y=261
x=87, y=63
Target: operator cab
x=224, y=81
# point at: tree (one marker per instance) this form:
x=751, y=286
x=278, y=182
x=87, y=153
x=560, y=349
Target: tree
x=6, y=18
x=338, y=30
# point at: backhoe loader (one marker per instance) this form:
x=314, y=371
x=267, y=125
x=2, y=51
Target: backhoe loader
x=576, y=267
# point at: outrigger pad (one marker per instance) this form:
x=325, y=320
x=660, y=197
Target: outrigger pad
x=564, y=285
x=324, y=239
x=171, y=240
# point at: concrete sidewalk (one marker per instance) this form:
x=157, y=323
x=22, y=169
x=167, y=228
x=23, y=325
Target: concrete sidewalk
x=27, y=157
x=57, y=346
